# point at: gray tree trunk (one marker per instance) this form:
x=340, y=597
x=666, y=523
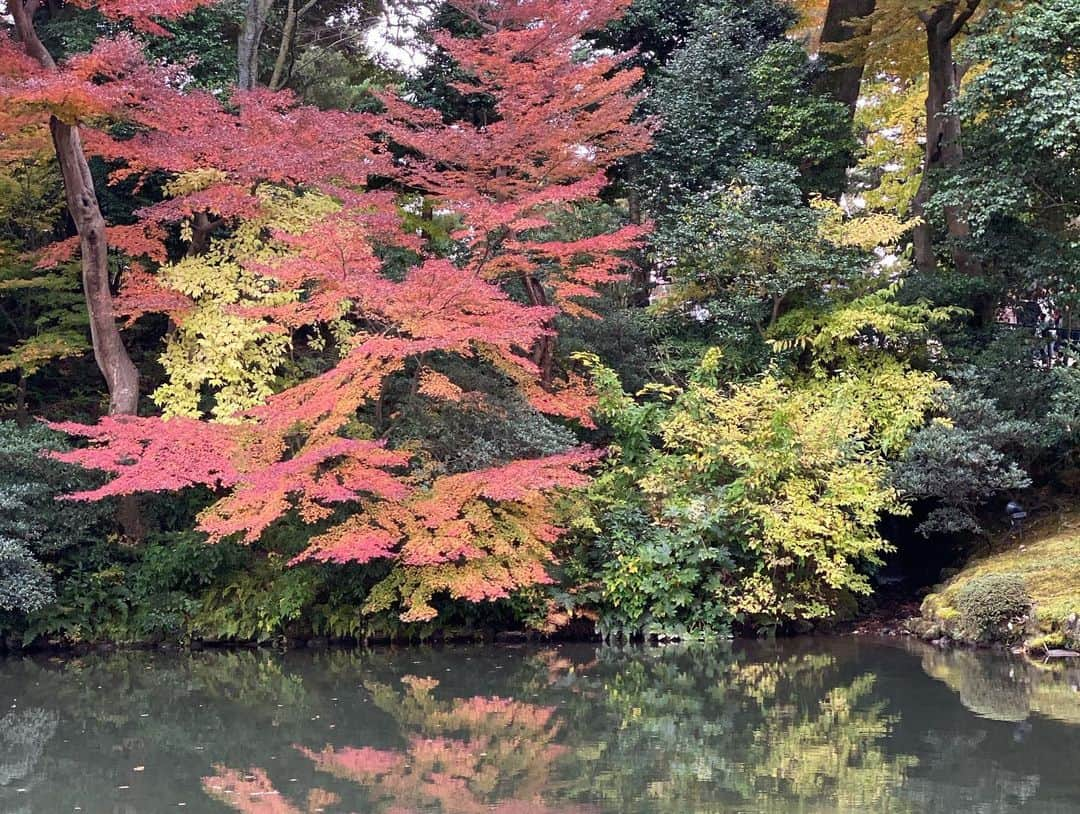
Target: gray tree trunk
x=256, y=13
x=121, y=376
x=844, y=78
x=943, y=146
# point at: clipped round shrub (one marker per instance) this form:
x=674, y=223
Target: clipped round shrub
x=991, y=606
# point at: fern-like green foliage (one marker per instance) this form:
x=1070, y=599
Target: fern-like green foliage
x=862, y=332
x=56, y=328
x=42, y=312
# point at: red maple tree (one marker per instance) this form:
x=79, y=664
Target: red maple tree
x=562, y=116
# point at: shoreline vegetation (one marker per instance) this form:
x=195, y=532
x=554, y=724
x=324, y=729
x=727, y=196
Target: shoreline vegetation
x=629, y=319
x=903, y=630
x=1024, y=594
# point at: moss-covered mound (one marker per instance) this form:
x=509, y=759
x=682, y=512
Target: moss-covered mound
x=1028, y=591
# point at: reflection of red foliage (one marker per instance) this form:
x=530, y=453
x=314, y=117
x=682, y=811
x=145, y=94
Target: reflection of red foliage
x=560, y=123
x=475, y=756
x=362, y=765
x=253, y=793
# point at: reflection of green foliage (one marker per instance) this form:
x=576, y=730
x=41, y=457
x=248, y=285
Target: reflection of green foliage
x=833, y=758
x=703, y=729
x=24, y=735
x=1005, y=689
x=693, y=727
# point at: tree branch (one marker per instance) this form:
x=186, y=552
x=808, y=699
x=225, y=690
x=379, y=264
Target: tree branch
x=965, y=15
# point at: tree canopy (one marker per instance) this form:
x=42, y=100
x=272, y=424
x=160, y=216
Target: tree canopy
x=666, y=318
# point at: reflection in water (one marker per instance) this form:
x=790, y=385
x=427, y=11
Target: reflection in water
x=805, y=726
x=1004, y=689
x=758, y=731
x=466, y=755
x=23, y=737
x=253, y=793
x=834, y=756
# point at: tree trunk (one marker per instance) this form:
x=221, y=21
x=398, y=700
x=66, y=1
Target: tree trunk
x=641, y=273
x=544, y=352
x=202, y=229
x=22, y=415
x=111, y=356
x=247, y=46
x=288, y=34
x=943, y=146
x=844, y=77
x=121, y=375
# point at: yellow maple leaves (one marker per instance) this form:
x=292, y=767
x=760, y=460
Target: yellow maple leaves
x=219, y=360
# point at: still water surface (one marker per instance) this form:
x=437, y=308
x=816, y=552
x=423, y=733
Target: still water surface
x=815, y=726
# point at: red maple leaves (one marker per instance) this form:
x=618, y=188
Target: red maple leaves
x=561, y=120
x=143, y=13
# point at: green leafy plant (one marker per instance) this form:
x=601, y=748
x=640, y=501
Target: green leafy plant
x=961, y=462
x=758, y=502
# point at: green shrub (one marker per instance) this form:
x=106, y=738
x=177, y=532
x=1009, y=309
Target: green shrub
x=660, y=581
x=991, y=607
x=34, y=526
x=25, y=586
x=963, y=464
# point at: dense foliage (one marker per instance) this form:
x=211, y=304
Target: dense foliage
x=35, y=526
x=544, y=312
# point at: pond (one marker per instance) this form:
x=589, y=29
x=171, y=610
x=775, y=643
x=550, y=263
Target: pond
x=806, y=725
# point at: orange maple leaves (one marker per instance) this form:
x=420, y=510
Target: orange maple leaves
x=561, y=121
